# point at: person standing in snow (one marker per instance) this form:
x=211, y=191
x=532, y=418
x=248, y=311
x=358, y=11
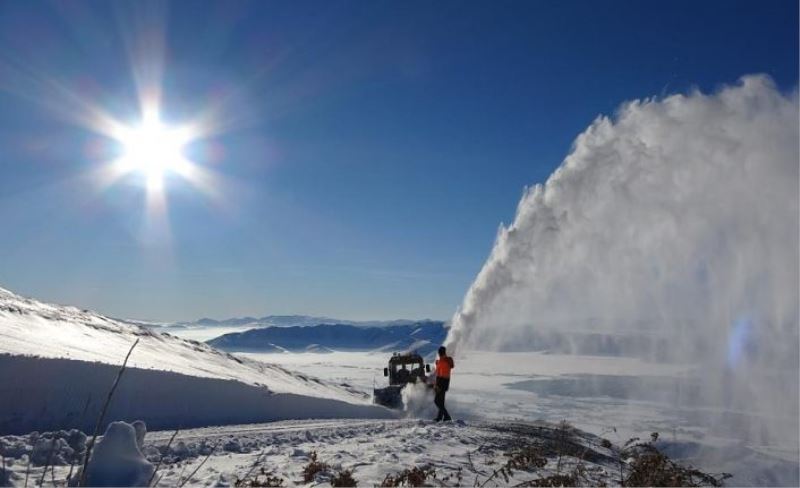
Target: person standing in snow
x=443, y=367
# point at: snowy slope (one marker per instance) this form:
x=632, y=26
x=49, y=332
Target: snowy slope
x=48, y=332
x=29, y=327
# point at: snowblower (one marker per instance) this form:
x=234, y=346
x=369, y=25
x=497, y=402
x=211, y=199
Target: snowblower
x=404, y=368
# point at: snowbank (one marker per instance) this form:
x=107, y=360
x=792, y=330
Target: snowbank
x=52, y=394
x=32, y=328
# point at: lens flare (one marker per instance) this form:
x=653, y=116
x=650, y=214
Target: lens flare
x=154, y=149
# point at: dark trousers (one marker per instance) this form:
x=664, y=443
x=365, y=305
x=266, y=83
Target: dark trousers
x=442, y=385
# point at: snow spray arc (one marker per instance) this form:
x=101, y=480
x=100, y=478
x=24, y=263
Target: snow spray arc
x=675, y=222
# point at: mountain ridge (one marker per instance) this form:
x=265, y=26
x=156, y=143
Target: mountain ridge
x=288, y=320
x=423, y=336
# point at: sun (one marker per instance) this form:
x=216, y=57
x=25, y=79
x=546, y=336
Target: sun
x=154, y=150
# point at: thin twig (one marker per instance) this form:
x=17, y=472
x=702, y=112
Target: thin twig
x=490, y=478
x=28, y=470
x=49, y=458
x=255, y=464
x=180, y=475
x=71, y=467
x=469, y=458
x=180, y=485
x=166, y=450
x=102, y=416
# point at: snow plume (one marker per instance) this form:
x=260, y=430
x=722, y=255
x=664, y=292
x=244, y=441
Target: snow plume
x=669, y=231
x=418, y=401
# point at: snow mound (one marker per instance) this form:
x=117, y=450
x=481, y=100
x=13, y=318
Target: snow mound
x=117, y=459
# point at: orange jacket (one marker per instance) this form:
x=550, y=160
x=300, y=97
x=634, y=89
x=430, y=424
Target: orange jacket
x=443, y=367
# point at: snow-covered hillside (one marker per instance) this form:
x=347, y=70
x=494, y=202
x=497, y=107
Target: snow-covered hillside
x=53, y=333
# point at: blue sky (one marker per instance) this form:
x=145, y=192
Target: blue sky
x=371, y=148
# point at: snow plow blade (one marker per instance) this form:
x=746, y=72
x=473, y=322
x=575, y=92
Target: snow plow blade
x=390, y=396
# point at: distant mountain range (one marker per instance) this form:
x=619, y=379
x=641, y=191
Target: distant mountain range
x=423, y=336
x=281, y=321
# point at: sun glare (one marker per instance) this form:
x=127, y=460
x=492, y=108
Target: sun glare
x=145, y=151
x=154, y=150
